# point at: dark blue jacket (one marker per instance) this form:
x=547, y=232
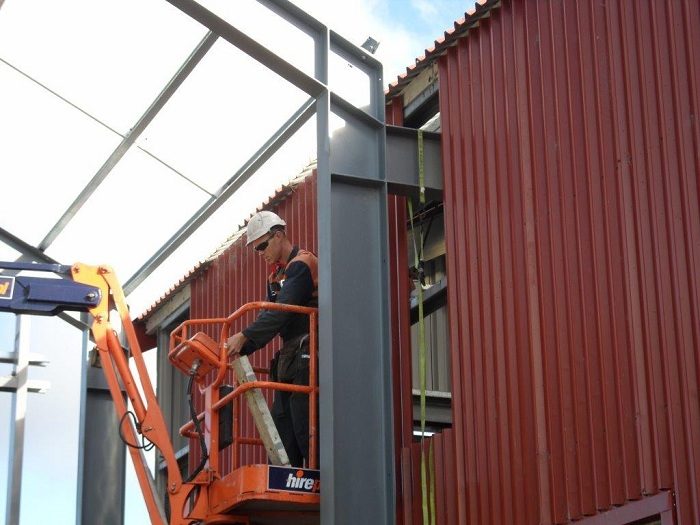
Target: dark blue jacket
x=297, y=287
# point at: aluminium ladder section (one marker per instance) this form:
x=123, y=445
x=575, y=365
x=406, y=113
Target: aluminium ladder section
x=261, y=412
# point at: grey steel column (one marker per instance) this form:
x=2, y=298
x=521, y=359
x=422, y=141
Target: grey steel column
x=18, y=415
x=101, y=453
x=102, y=462
x=357, y=464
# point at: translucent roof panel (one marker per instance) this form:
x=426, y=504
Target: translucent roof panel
x=220, y=116
x=292, y=44
x=111, y=58
x=288, y=162
x=7, y=253
x=133, y=212
x=50, y=150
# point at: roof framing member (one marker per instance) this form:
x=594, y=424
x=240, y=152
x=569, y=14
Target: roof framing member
x=272, y=145
x=195, y=57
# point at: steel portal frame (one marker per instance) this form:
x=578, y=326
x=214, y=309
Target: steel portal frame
x=355, y=364
x=355, y=371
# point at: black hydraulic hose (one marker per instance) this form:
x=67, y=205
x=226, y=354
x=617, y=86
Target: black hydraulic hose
x=195, y=420
x=144, y=446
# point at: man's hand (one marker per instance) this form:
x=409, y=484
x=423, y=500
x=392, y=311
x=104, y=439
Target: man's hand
x=234, y=345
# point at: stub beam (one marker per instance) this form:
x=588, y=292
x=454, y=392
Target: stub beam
x=402, y=162
x=33, y=386
x=32, y=358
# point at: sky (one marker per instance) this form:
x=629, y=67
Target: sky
x=75, y=76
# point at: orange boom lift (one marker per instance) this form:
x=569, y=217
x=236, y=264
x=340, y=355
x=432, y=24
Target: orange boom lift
x=258, y=494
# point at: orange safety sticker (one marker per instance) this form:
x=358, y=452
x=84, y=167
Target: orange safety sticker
x=7, y=286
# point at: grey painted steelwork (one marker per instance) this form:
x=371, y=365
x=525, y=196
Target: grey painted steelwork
x=102, y=461
x=33, y=386
x=429, y=94
x=18, y=412
x=26, y=249
x=355, y=371
x=251, y=47
x=402, y=162
x=32, y=358
x=352, y=210
x=352, y=191
x=138, y=128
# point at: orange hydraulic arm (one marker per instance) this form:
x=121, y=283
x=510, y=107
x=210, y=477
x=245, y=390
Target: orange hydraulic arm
x=151, y=423
x=209, y=497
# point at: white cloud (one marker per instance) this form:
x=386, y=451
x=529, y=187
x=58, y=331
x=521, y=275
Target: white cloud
x=426, y=8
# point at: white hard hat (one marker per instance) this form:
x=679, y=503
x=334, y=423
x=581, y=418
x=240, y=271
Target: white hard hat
x=261, y=223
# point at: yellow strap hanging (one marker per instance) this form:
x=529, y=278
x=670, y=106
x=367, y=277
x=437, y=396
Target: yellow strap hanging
x=427, y=506
x=421, y=170
x=421, y=364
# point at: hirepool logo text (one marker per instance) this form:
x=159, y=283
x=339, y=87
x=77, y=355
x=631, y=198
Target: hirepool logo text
x=298, y=481
x=7, y=285
x=294, y=480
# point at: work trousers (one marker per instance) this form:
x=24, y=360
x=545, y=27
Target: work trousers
x=290, y=410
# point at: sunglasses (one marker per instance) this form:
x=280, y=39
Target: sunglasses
x=263, y=245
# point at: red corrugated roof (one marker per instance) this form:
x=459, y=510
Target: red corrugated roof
x=482, y=8
x=191, y=274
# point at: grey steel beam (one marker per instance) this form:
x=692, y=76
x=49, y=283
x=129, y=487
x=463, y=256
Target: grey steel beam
x=272, y=145
x=295, y=16
x=357, y=56
x=250, y=47
x=429, y=96
x=402, y=162
x=24, y=247
x=347, y=108
x=32, y=386
x=438, y=408
x=32, y=358
x=434, y=298
x=128, y=140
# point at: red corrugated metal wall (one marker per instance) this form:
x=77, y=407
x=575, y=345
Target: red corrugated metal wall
x=400, y=334
x=571, y=153
x=238, y=276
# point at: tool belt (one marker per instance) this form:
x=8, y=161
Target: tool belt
x=290, y=360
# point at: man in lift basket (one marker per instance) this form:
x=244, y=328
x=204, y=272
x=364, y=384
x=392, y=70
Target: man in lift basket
x=294, y=280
